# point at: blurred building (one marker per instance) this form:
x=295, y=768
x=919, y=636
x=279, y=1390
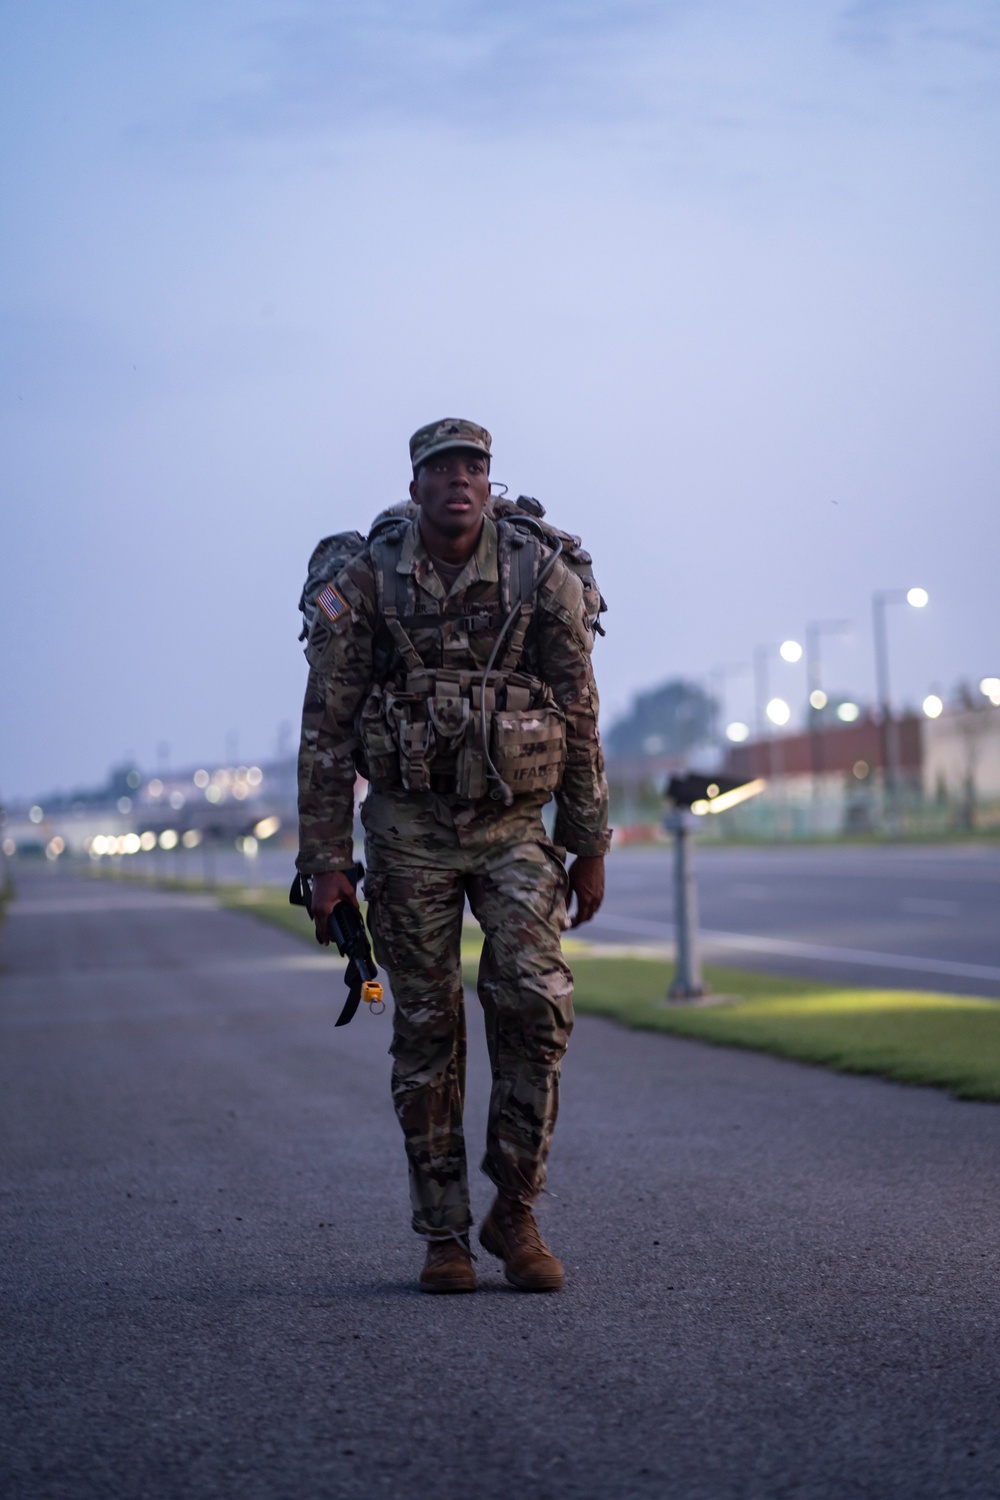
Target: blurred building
x=830, y=779
x=961, y=761
x=134, y=812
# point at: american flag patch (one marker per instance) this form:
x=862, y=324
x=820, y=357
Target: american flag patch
x=331, y=603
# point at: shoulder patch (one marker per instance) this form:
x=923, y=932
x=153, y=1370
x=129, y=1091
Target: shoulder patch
x=331, y=603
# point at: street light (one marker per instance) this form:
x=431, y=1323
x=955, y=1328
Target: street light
x=789, y=651
x=917, y=598
x=717, y=692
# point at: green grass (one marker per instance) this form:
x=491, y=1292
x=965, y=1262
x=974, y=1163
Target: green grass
x=268, y=906
x=948, y=1041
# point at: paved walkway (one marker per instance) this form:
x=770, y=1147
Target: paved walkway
x=781, y=1282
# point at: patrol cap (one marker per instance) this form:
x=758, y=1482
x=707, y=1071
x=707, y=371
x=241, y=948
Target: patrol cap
x=450, y=432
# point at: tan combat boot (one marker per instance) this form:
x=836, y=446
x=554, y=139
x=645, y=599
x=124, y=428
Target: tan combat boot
x=510, y=1233
x=448, y=1266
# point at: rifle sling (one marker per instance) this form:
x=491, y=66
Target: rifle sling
x=353, y=981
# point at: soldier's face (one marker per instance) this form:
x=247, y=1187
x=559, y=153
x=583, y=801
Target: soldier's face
x=452, y=489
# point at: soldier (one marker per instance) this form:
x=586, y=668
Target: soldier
x=470, y=715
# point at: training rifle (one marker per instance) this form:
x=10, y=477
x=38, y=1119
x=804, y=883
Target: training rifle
x=346, y=927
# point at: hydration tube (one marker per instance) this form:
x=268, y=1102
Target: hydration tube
x=501, y=792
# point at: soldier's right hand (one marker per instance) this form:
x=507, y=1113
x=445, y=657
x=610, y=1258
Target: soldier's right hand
x=329, y=889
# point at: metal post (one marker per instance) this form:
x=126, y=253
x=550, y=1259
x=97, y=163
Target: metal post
x=718, y=675
x=815, y=631
x=813, y=676
x=760, y=686
x=687, y=983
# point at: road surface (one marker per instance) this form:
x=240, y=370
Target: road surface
x=903, y=916
x=909, y=917
x=781, y=1282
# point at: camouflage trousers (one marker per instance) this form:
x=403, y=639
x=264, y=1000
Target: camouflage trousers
x=425, y=855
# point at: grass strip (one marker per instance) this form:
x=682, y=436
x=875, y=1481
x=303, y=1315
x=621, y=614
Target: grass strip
x=947, y=1041
x=268, y=906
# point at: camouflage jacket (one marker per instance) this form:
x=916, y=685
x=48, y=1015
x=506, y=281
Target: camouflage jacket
x=344, y=655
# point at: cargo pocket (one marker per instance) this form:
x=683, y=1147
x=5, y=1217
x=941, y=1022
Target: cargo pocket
x=529, y=748
x=374, y=887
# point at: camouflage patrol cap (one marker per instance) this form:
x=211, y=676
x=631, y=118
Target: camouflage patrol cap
x=450, y=432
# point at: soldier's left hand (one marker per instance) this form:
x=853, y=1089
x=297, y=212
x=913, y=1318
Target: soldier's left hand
x=586, y=883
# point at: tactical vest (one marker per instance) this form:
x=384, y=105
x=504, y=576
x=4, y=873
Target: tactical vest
x=468, y=731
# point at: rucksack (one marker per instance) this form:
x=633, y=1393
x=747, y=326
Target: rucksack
x=333, y=553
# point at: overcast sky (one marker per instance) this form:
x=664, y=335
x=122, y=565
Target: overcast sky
x=720, y=277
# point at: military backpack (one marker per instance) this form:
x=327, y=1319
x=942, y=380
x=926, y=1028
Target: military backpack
x=331, y=555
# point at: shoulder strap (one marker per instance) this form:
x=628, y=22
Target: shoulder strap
x=394, y=596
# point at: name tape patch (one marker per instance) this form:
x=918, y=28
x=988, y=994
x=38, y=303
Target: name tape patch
x=331, y=603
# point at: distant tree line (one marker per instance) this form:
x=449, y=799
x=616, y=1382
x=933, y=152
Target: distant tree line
x=668, y=720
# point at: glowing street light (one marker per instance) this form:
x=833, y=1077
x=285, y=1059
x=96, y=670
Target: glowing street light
x=737, y=731
x=717, y=692
x=932, y=706
x=778, y=711
x=789, y=651
x=990, y=688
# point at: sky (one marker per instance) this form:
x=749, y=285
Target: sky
x=720, y=277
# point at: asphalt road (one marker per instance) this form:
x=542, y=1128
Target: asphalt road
x=781, y=1282
x=903, y=916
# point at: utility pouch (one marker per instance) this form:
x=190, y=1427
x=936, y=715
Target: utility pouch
x=449, y=713
x=470, y=766
x=529, y=748
x=378, y=741
x=416, y=748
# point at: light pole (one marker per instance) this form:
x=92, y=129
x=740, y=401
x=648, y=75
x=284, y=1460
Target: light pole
x=717, y=690
x=815, y=631
x=772, y=711
x=916, y=598
x=767, y=710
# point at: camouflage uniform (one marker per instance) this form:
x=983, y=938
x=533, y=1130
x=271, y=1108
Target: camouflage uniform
x=427, y=850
